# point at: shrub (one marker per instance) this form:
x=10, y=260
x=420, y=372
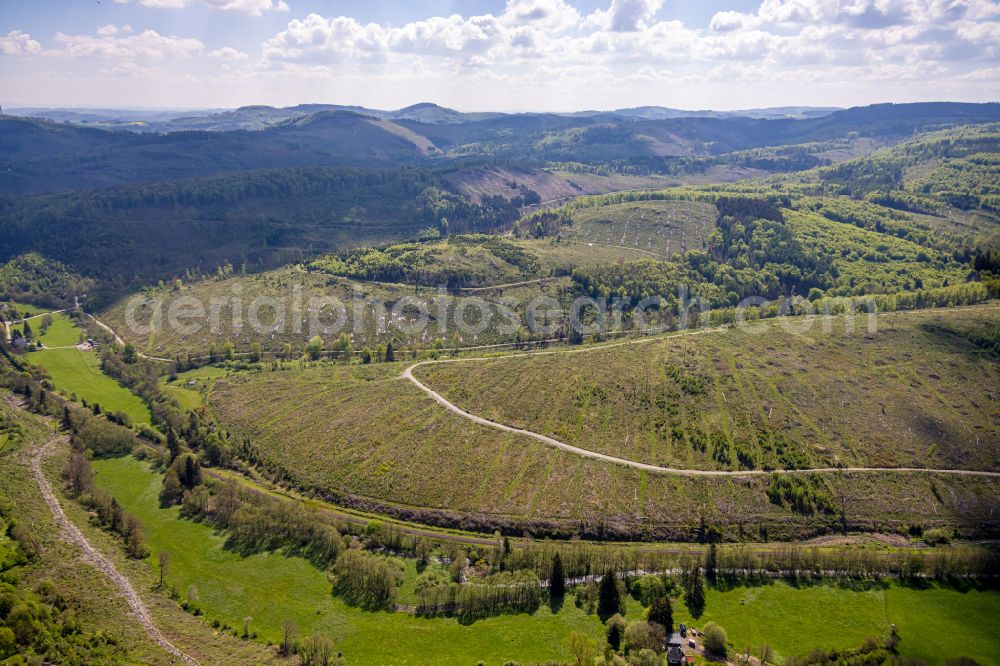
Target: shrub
x=715, y=639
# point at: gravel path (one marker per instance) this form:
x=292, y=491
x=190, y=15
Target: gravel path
x=72, y=534
x=625, y=462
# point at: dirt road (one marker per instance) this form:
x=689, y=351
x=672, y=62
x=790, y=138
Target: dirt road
x=625, y=462
x=72, y=534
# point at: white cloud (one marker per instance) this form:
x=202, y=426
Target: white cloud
x=318, y=39
x=544, y=14
x=730, y=20
x=228, y=53
x=147, y=44
x=625, y=15
x=251, y=7
x=17, y=42
x=986, y=74
x=776, y=53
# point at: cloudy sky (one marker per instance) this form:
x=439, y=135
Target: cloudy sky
x=497, y=54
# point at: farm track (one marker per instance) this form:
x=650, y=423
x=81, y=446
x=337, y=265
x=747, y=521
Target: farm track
x=72, y=534
x=647, y=467
x=496, y=287
x=120, y=341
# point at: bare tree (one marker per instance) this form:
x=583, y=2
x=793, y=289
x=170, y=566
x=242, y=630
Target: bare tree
x=164, y=560
x=290, y=633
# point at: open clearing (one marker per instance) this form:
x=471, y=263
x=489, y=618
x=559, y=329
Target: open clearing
x=79, y=372
x=661, y=228
x=796, y=620
x=367, y=438
x=758, y=400
x=791, y=619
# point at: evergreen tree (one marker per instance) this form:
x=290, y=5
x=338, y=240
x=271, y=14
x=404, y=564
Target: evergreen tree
x=662, y=612
x=609, y=598
x=615, y=631
x=173, y=444
x=191, y=476
x=390, y=353
x=711, y=563
x=695, y=597
x=557, y=581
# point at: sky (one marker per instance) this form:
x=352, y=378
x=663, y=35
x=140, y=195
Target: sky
x=501, y=55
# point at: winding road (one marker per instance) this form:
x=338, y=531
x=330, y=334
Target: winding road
x=72, y=534
x=635, y=464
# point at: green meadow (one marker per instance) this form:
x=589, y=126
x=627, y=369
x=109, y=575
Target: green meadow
x=27, y=309
x=79, y=372
x=271, y=587
x=185, y=397
x=934, y=624
x=62, y=333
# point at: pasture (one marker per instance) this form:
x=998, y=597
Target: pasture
x=63, y=332
x=79, y=372
x=934, y=624
x=271, y=587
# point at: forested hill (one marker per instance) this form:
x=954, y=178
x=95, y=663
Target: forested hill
x=138, y=234
x=41, y=156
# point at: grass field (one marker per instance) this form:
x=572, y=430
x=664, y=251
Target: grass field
x=26, y=308
x=360, y=432
x=272, y=587
x=186, y=398
x=934, y=624
x=793, y=620
x=62, y=333
x=908, y=394
x=79, y=372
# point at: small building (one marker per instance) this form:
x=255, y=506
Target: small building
x=675, y=656
x=675, y=640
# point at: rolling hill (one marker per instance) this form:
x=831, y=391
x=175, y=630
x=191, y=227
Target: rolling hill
x=40, y=156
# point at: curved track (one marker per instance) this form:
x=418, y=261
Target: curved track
x=635, y=464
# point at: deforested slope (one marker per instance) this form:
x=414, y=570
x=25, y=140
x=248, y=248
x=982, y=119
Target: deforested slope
x=915, y=392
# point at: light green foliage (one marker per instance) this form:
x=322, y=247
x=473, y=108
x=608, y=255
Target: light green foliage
x=458, y=261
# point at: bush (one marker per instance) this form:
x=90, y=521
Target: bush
x=615, y=632
x=643, y=636
x=715, y=639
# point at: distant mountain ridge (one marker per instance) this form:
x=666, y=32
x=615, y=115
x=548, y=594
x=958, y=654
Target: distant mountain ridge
x=258, y=116
x=43, y=156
